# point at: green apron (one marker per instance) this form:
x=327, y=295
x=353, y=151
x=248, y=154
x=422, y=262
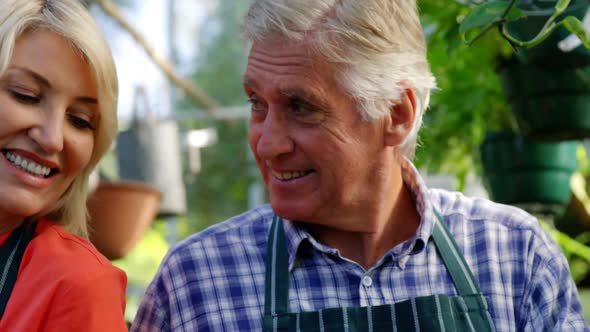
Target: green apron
x=11, y=255
x=466, y=312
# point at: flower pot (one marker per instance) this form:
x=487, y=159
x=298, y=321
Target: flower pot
x=547, y=53
x=548, y=104
x=526, y=81
x=554, y=117
x=120, y=212
x=518, y=171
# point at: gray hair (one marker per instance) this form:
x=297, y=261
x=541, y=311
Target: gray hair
x=380, y=45
x=71, y=20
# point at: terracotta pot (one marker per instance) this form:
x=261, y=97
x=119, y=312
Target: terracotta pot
x=120, y=212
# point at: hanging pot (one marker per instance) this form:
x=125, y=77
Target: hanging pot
x=554, y=117
x=518, y=171
x=149, y=151
x=548, y=104
x=547, y=53
x=120, y=212
x=526, y=81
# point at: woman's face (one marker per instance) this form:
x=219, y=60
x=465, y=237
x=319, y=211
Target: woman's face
x=48, y=112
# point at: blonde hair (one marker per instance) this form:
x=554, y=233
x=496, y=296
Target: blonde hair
x=380, y=45
x=71, y=20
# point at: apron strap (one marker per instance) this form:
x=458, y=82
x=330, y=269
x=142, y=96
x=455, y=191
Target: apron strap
x=276, y=290
x=448, y=249
x=11, y=255
x=277, y=281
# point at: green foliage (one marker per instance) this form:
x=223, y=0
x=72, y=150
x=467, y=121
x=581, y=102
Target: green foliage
x=488, y=15
x=495, y=13
x=574, y=25
x=141, y=265
x=575, y=250
x=469, y=100
x=220, y=190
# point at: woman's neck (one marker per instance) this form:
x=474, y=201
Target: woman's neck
x=9, y=222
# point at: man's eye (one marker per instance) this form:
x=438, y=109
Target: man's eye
x=25, y=98
x=302, y=108
x=80, y=123
x=255, y=104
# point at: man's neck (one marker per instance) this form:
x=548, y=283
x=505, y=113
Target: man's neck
x=391, y=220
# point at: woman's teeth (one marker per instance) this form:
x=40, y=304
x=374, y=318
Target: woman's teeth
x=27, y=165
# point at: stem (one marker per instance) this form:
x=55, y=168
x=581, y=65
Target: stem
x=507, y=10
x=483, y=31
x=190, y=89
x=543, y=34
x=498, y=22
x=547, y=29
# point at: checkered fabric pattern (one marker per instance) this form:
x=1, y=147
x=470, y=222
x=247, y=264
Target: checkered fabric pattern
x=214, y=280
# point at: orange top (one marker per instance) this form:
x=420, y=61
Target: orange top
x=64, y=285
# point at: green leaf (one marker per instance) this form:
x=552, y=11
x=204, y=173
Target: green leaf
x=562, y=5
x=575, y=26
x=489, y=13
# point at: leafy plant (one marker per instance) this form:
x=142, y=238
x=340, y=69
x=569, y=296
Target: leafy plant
x=469, y=99
x=497, y=13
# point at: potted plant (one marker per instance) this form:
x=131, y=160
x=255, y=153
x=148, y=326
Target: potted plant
x=120, y=213
x=547, y=53
x=548, y=89
x=534, y=27
x=548, y=103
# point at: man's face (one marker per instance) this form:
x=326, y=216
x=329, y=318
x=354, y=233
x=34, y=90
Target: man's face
x=317, y=157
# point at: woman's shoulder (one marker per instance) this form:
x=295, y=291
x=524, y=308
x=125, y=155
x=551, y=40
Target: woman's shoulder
x=69, y=256
x=64, y=281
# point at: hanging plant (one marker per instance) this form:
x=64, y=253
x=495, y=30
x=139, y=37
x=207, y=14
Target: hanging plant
x=533, y=175
x=548, y=103
x=534, y=28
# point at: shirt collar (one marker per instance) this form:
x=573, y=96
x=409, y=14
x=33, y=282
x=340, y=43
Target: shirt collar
x=297, y=236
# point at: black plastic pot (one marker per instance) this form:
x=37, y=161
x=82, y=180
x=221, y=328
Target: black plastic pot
x=549, y=104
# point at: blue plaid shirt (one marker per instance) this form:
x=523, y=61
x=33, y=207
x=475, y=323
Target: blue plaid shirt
x=214, y=280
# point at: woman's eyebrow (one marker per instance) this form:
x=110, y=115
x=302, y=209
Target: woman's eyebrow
x=34, y=75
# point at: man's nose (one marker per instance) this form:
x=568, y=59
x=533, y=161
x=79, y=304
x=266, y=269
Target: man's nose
x=275, y=137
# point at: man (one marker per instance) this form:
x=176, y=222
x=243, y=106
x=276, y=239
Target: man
x=352, y=239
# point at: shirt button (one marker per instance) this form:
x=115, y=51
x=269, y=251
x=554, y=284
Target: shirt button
x=367, y=281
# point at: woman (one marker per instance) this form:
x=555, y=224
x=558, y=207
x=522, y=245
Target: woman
x=58, y=93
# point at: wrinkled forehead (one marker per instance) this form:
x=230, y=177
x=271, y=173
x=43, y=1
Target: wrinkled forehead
x=287, y=60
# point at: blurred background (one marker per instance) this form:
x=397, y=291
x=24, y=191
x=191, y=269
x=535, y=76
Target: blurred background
x=182, y=162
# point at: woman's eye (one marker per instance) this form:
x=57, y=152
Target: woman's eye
x=79, y=122
x=25, y=98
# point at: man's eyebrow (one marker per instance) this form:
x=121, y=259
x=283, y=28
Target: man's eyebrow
x=306, y=97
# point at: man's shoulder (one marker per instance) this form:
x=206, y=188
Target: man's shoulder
x=479, y=222
x=246, y=230
x=455, y=205
x=482, y=216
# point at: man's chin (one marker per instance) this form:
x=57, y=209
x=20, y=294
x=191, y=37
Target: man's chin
x=293, y=211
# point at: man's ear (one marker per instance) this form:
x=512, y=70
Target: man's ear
x=401, y=118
